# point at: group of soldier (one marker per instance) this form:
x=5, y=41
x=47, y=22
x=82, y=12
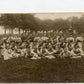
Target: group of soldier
x=35, y=45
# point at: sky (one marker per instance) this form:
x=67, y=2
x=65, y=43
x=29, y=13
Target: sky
x=53, y=16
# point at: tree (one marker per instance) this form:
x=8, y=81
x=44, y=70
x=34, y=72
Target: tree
x=21, y=21
x=61, y=24
x=8, y=21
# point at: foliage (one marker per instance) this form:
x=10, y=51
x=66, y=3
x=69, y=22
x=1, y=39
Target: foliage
x=29, y=22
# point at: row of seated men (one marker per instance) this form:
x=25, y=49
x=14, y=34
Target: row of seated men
x=42, y=47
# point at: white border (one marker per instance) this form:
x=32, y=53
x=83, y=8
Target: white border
x=41, y=6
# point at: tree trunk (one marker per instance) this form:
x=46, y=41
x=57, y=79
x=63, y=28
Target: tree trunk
x=4, y=30
x=12, y=31
x=9, y=31
x=23, y=30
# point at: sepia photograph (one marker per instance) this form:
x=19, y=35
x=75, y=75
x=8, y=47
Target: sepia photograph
x=42, y=47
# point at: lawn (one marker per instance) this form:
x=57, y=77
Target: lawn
x=22, y=70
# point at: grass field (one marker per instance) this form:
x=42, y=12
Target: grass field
x=29, y=71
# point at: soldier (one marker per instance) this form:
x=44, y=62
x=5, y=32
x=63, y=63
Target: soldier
x=33, y=51
x=79, y=41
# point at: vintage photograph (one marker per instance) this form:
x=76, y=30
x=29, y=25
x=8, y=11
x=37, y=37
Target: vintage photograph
x=42, y=47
